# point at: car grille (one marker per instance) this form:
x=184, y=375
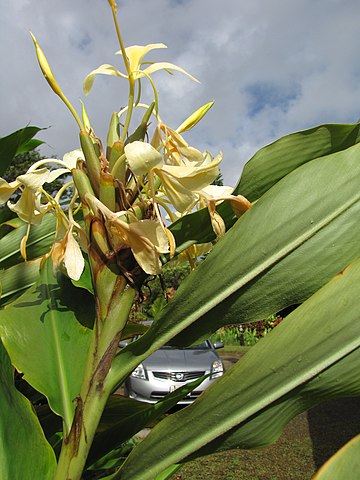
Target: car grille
x=160, y=395
x=178, y=376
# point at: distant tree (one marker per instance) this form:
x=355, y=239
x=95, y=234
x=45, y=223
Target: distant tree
x=22, y=162
x=219, y=181
x=157, y=292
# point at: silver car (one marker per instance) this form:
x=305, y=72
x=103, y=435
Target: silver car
x=171, y=367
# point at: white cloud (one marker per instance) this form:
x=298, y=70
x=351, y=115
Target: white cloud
x=272, y=66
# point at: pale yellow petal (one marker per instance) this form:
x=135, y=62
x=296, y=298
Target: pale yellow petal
x=148, y=239
x=46, y=69
x=105, y=69
x=239, y=204
x=142, y=157
x=179, y=196
x=29, y=208
x=165, y=66
x=135, y=53
x=72, y=157
x=153, y=231
x=23, y=243
x=214, y=194
x=192, y=154
x=171, y=240
x=82, y=238
x=173, y=135
x=7, y=189
x=73, y=258
x=54, y=174
x=144, y=237
x=35, y=179
x=146, y=255
x=134, y=236
x=217, y=191
x=193, y=178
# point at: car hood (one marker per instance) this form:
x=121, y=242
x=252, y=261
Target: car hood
x=169, y=359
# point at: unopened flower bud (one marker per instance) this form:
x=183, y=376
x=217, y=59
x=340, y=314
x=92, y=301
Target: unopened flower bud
x=113, y=5
x=45, y=68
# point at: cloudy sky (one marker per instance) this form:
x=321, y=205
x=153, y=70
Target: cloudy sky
x=272, y=67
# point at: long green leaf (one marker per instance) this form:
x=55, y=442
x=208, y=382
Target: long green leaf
x=44, y=336
x=196, y=227
x=14, y=280
x=345, y=464
x=17, y=142
x=313, y=354
x=269, y=165
x=128, y=417
x=24, y=452
x=273, y=162
x=292, y=241
x=39, y=242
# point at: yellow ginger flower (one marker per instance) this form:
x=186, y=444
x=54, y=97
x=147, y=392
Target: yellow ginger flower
x=179, y=182
x=134, y=56
x=67, y=253
x=213, y=195
x=31, y=207
x=146, y=238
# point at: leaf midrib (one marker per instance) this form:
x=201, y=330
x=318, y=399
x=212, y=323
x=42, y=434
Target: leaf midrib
x=60, y=366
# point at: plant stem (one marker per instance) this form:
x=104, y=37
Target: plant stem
x=129, y=110
x=94, y=395
x=130, y=77
x=121, y=43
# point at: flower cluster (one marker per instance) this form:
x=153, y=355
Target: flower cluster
x=129, y=189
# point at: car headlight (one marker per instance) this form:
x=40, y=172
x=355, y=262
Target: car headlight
x=139, y=372
x=216, y=369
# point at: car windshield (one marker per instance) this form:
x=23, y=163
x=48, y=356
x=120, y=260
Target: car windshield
x=199, y=346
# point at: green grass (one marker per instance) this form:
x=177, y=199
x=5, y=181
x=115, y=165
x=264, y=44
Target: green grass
x=305, y=444
x=290, y=458
x=234, y=348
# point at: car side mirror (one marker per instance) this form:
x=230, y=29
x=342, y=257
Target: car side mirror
x=218, y=345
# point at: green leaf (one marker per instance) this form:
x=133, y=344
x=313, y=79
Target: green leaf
x=17, y=142
x=196, y=227
x=295, y=238
x=266, y=168
x=15, y=279
x=6, y=214
x=168, y=473
x=282, y=250
x=24, y=452
x=39, y=242
x=85, y=281
x=273, y=162
x=28, y=146
x=124, y=417
x=44, y=335
x=344, y=464
x=314, y=354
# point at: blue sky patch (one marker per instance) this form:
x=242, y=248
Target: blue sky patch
x=82, y=41
x=266, y=94
x=175, y=3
